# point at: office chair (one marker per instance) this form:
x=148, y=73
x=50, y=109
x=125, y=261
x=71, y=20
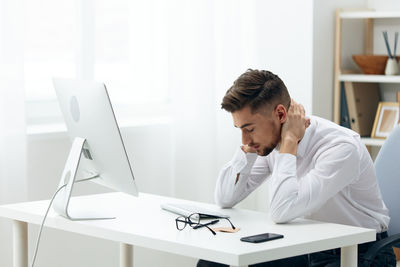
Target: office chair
x=387, y=165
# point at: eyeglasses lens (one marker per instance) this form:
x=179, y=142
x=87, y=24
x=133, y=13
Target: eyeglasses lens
x=194, y=219
x=180, y=223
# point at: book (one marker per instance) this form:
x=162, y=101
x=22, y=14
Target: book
x=344, y=111
x=362, y=102
x=186, y=210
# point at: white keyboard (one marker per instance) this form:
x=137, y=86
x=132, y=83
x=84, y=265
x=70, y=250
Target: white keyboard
x=186, y=210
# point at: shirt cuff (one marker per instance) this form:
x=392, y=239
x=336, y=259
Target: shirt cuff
x=243, y=162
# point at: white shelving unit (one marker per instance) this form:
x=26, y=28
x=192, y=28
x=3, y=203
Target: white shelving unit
x=372, y=141
x=369, y=78
x=368, y=17
x=369, y=14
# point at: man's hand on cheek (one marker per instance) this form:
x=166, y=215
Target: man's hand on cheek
x=247, y=149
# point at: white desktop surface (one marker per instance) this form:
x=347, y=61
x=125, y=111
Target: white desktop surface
x=141, y=222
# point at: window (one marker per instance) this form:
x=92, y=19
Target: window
x=121, y=43
x=131, y=54
x=49, y=38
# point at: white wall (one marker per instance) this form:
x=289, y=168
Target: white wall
x=323, y=52
x=387, y=5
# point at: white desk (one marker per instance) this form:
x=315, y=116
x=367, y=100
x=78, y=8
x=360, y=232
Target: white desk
x=141, y=222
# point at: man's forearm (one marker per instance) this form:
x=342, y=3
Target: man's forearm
x=289, y=145
x=232, y=182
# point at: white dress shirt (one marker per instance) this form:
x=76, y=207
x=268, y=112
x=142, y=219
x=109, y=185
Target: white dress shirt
x=331, y=179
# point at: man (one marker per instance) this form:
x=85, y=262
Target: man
x=318, y=170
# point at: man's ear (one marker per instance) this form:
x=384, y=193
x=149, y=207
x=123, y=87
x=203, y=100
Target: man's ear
x=281, y=113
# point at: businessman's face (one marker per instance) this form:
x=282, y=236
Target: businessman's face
x=261, y=131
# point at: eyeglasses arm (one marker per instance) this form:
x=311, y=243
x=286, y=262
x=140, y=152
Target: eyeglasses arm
x=205, y=224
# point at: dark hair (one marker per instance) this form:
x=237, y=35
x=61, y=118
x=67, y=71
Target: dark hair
x=256, y=88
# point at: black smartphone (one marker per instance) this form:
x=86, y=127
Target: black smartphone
x=261, y=237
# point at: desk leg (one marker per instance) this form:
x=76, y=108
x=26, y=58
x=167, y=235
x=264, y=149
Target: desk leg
x=348, y=256
x=20, y=238
x=125, y=255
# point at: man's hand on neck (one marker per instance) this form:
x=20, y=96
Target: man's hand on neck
x=293, y=129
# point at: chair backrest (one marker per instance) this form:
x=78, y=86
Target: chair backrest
x=387, y=165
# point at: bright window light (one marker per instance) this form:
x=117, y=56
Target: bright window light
x=131, y=52
x=121, y=43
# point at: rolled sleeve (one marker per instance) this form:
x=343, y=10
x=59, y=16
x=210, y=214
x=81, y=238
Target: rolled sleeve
x=243, y=166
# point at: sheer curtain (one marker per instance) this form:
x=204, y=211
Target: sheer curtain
x=152, y=54
x=210, y=44
x=172, y=59
x=192, y=87
x=13, y=183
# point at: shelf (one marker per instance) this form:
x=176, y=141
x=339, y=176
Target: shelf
x=343, y=75
x=372, y=141
x=368, y=15
x=369, y=78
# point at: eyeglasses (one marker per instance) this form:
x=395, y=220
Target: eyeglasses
x=194, y=221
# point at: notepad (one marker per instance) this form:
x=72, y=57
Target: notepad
x=186, y=210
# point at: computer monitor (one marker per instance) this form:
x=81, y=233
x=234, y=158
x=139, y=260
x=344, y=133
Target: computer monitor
x=97, y=150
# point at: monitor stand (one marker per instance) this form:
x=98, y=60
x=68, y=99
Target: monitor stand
x=68, y=178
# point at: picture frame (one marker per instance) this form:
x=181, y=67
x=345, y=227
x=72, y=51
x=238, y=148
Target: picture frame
x=386, y=118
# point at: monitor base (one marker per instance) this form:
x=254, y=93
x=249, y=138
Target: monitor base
x=68, y=179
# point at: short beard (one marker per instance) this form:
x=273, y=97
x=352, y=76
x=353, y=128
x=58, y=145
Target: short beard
x=266, y=151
